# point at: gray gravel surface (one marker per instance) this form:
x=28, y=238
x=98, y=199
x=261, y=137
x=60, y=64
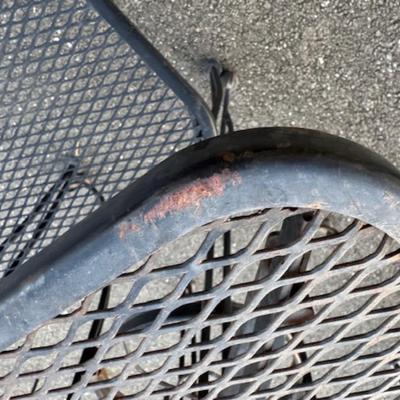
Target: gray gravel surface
x=331, y=65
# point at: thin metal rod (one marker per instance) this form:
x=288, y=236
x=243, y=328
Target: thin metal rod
x=206, y=332
x=227, y=303
x=59, y=189
x=149, y=54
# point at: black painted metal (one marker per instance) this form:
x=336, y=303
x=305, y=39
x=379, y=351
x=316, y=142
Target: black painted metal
x=158, y=64
x=339, y=196
x=260, y=265
x=221, y=82
x=85, y=109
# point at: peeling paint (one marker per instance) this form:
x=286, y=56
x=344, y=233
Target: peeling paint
x=193, y=194
x=127, y=227
x=317, y=205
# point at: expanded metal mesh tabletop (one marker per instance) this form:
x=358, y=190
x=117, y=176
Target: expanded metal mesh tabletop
x=81, y=116
x=308, y=310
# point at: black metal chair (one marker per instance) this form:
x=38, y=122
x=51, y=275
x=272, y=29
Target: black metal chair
x=260, y=264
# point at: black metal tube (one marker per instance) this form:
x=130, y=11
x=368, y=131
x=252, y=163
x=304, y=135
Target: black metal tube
x=158, y=64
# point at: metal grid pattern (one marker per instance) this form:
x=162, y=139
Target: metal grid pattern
x=81, y=116
x=297, y=304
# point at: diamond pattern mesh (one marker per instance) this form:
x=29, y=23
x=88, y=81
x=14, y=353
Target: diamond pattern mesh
x=81, y=116
x=301, y=305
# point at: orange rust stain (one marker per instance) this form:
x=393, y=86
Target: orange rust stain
x=228, y=157
x=125, y=228
x=193, y=194
x=317, y=206
x=102, y=374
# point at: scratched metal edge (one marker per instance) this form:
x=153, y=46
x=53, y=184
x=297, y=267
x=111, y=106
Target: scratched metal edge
x=155, y=61
x=216, y=178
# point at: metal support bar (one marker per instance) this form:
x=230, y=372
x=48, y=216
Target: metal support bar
x=145, y=216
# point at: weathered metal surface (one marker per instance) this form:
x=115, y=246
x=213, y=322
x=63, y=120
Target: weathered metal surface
x=151, y=346
x=347, y=197
x=192, y=194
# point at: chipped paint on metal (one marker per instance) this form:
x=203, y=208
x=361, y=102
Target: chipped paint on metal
x=127, y=227
x=193, y=194
x=317, y=205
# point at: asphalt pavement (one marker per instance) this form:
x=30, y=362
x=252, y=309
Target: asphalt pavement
x=332, y=65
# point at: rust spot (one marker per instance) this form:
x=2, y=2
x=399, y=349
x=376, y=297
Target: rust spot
x=125, y=228
x=193, y=194
x=102, y=374
x=228, y=157
x=316, y=205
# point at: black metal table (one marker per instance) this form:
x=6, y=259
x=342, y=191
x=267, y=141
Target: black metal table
x=257, y=265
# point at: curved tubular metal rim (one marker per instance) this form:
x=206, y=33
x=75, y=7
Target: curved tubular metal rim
x=214, y=179
x=150, y=55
